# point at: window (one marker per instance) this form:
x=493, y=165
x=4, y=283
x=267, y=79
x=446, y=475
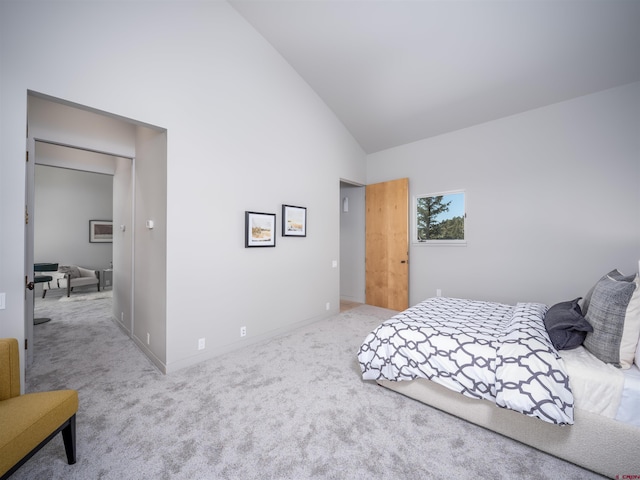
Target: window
x=439, y=218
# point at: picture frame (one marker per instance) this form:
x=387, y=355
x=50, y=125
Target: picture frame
x=294, y=221
x=259, y=229
x=100, y=231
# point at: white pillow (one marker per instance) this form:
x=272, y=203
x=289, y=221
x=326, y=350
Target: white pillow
x=629, y=347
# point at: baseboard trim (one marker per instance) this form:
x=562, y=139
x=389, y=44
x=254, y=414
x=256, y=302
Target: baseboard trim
x=216, y=352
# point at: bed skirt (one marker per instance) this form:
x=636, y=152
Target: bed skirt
x=600, y=444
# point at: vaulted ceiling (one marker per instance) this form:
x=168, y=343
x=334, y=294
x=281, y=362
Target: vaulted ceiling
x=398, y=71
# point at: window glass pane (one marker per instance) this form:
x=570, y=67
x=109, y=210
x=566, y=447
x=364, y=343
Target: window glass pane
x=440, y=217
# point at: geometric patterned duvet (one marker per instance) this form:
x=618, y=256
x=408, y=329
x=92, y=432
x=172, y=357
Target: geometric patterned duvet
x=487, y=350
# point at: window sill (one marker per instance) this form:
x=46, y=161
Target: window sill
x=441, y=243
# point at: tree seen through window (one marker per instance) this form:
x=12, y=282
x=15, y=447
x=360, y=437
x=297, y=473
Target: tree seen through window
x=440, y=217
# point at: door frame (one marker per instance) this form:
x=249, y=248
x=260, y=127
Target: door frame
x=29, y=233
x=352, y=241
x=29, y=274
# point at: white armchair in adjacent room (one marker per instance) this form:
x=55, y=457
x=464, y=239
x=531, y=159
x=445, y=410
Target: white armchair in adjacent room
x=72, y=276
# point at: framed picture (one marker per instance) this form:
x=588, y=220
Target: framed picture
x=294, y=221
x=100, y=231
x=259, y=229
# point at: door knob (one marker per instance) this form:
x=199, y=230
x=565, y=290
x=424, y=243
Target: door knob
x=31, y=285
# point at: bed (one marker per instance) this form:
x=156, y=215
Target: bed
x=551, y=378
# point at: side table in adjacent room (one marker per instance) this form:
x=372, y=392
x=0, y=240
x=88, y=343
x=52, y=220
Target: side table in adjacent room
x=106, y=278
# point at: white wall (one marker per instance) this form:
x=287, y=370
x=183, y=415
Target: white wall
x=244, y=132
x=65, y=201
x=552, y=200
x=65, y=124
x=150, y=246
x=123, y=243
x=64, y=156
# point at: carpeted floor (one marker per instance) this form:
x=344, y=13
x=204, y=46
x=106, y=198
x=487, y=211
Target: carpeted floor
x=294, y=407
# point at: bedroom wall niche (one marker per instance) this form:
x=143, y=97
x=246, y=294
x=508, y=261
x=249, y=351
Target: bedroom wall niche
x=106, y=145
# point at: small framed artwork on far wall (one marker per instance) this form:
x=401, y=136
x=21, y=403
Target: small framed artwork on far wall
x=294, y=221
x=259, y=229
x=100, y=231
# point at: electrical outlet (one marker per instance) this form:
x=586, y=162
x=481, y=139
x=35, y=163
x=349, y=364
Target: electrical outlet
x=122, y=317
x=148, y=338
x=243, y=331
x=438, y=292
x=328, y=306
x=201, y=344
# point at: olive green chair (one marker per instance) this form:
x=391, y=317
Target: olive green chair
x=28, y=422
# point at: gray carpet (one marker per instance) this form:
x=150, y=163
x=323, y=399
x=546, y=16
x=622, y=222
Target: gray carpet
x=294, y=407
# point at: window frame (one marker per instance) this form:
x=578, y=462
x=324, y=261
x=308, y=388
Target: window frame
x=414, y=214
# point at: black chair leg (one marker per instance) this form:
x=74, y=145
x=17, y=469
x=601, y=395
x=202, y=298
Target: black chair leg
x=68, y=430
x=69, y=438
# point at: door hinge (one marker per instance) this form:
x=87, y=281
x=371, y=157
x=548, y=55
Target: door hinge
x=26, y=343
x=26, y=215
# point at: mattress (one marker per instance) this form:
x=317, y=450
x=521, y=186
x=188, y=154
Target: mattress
x=596, y=386
x=629, y=409
x=601, y=388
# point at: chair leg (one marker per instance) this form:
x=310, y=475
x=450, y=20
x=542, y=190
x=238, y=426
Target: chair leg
x=69, y=438
x=44, y=292
x=68, y=430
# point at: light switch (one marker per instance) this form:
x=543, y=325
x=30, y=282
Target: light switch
x=2, y=300
x=149, y=224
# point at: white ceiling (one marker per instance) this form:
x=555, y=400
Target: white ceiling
x=398, y=71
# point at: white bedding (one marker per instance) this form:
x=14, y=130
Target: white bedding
x=483, y=350
x=596, y=386
x=601, y=388
x=629, y=410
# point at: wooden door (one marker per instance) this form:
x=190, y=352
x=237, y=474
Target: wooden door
x=387, y=244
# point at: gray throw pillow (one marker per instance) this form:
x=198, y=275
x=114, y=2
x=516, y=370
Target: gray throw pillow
x=606, y=315
x=566, y=326
x=614, y=274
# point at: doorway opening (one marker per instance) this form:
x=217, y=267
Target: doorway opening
x=352, y=244
x=137, y=156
